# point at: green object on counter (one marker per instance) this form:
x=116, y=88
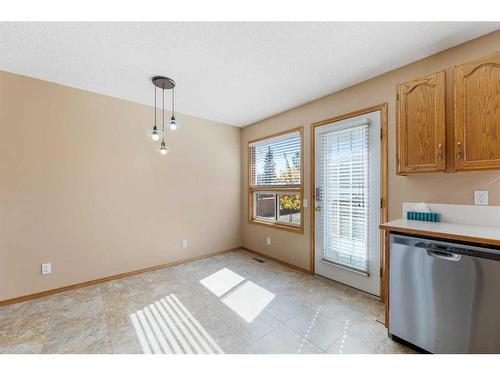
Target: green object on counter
x=423, y=216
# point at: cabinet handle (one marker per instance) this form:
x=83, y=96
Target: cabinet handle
x=459, y=150
x=440, y=152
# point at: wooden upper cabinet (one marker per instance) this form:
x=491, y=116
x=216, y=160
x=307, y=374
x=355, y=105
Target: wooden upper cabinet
x=421, y=124
x=477, y=114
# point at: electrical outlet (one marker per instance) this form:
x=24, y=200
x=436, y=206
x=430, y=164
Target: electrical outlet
x=268, y=240
x=304, y=203
x=184, y=244
x=46, y=268
x=481, y=197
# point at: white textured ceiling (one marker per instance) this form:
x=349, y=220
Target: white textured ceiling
x=235, y=73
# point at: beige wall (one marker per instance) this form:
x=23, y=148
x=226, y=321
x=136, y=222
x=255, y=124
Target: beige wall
x=436, y=187
x=82, y=187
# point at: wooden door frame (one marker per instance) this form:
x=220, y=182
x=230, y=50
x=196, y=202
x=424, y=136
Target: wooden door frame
x=384, y=192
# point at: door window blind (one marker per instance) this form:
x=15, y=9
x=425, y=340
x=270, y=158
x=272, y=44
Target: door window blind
x=275, y=162
x=344, y=192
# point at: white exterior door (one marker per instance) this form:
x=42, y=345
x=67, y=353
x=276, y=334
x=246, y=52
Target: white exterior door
x=347, y=201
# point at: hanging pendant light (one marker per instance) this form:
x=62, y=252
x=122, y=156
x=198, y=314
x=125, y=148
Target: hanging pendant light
x=154, y=134
x=174, y=124
x=164, y=83
x=163, y=149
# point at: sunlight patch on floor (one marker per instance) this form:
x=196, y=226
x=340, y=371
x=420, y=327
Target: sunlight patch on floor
x=244, y=297
x=167, y=326
x=248, y=300
x=221, y=282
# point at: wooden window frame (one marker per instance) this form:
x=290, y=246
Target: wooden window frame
x=269, y=189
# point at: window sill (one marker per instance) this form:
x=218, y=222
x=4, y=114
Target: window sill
x=274, y=225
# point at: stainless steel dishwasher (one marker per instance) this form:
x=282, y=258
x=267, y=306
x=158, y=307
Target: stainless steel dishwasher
x=444, y=297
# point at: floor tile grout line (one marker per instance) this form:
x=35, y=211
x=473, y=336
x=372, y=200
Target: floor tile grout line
x=44, y=340
x=309, y=341
x=264, y=335
x=287, y=320
x=106, y=321
x=272, y=329
x=298, y=334
x=52, y=310
x=332, y=344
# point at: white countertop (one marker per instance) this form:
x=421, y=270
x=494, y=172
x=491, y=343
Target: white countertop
x=464, y=232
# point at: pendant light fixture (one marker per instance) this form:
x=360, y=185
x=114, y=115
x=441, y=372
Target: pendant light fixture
x=174, y=124
x=163, y=147
x=154, y=133
x=163, y=83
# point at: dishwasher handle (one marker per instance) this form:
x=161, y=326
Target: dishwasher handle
x=439, y=251
x=475, y=251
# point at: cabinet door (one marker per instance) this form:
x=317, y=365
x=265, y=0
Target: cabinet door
x=421, y=124
x=477, y=114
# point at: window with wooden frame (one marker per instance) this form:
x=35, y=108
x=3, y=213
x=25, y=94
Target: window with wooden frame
x=275, y=180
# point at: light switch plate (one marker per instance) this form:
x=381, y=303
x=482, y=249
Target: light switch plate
x=481, y=197
x=304, y=203
x=46, y=268
x=268, y=240
x=184, y=244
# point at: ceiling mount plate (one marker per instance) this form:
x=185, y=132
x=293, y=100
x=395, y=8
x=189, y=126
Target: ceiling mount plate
x=163, y=82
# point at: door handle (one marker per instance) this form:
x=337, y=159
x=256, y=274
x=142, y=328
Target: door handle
x=318, y=208
x=459, y=150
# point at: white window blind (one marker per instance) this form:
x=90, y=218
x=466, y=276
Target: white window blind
x=343, y=185
x=275, y=162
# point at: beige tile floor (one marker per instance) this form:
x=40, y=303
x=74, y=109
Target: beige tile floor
x=228, y=303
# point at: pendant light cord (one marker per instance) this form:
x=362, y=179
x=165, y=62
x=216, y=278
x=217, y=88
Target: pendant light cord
x=155, y=102
x=173, y=102
x=163, y=110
